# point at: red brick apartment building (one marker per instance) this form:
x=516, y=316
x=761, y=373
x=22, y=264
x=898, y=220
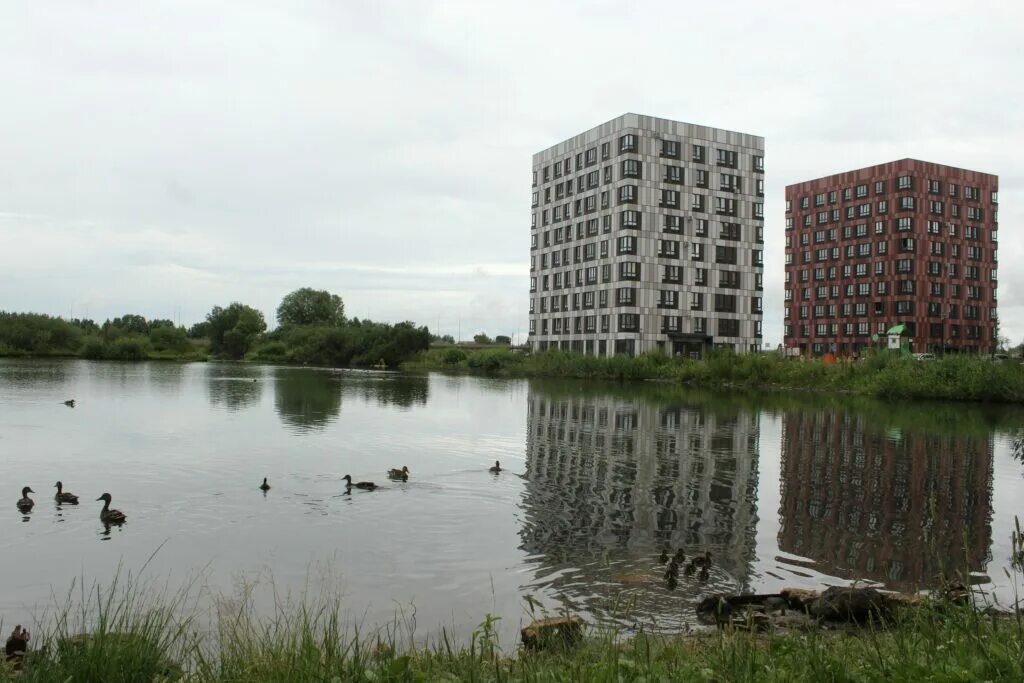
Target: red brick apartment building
x=908, y=242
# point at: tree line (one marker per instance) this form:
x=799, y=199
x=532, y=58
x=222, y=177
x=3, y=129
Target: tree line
x=312, y=328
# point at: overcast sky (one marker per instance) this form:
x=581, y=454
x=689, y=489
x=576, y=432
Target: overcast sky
x=164, y=157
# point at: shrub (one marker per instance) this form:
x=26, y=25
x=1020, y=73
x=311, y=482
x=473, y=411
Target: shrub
x=453, y=356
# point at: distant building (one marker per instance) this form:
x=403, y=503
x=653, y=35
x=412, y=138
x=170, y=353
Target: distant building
x=908, y=242
x=647, y=234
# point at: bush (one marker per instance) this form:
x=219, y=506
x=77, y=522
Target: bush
x=127, y=348
x=453, y=356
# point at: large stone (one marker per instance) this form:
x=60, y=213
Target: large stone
x=557, y=631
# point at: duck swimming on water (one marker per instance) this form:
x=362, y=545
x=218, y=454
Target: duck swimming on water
x=108, y=515
x=365, y=485
x=25, y=503
x=264, y=486
x=63, y=496
x=396, y=473
x=496, y=469
x=70, y=403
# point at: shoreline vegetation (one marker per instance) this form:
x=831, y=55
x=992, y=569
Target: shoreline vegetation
x=312, y=330
x=136, y=631
x=880, y=375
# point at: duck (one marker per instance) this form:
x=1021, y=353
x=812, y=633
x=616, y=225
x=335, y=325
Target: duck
x=672, y=583
x=396, y=473
x=663, y=558
x=672, y=571
x=107, y=515
x=679, y=557
x=703, y=574
x=366, y=485
x=26, y=503
x=691, y=567
x=703, y=561
x=496, y=469
x=264, y=486
x=64, y=497
x=70, y=403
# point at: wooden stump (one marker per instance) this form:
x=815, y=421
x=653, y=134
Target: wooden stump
x=545, y=633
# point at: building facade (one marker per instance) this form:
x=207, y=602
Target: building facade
x=647, y=234
x=907, y=242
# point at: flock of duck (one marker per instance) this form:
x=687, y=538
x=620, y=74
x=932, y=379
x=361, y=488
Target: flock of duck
x=108, y=515
x=699, y=564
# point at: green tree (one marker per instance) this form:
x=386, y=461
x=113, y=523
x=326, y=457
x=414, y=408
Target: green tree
x=309, y=306
x=234, y=329
x=482, y=338
x=502, y=339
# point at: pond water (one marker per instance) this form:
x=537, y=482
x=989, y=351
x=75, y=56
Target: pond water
x=782, y=490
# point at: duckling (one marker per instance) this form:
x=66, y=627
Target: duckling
x=264, y=486
x=707, y=559
x=663, y=558
x=108, y=515
x=396, y=473
x=704, y=573
x=70, y=403
x=63, y=497
x=679, y=556
x=691, y=567
x=367, y=485
x=25, y=503
x=672, y=571
x=672, y=583
x=496, y=469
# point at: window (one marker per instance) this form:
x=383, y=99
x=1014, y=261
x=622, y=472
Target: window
x=626, y=245
x=668, y=298
x=629, y=219
x=591, y=156
x=629, y=322
x=628, y=194
x=669, y=199
x=725, y=303
x=672, y=275
x=696, y=251
x=728, y=327
x=629, y=270
x=696, y=301
x=726, y=158
x=627, y=143
x=862, y=191
x=730, y=279
x=700, y=227
x=904, y=182
x=631, y=168
x=698, y=203
x=730, y=231
x=725, y=206
x=879, y=187
x=625, y=296
x=906, y=203
x=699, y=152
x=700, y=178
x=668, y=248
x=673, y=224
x=670, y=149
x=725, y=254
x=904, y=224
x=673, y=174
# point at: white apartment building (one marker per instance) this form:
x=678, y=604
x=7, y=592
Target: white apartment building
x=648, y=234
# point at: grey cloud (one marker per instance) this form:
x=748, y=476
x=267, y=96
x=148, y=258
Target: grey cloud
x=166, y=157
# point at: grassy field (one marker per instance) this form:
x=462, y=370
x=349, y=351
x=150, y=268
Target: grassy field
x=962, y=378
x=136, y=633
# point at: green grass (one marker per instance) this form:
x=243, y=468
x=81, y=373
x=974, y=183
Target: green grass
x=141, y=632
x=962, y=378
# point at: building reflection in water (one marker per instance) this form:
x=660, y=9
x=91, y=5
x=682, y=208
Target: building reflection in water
x=899, y=506
x=612, y=478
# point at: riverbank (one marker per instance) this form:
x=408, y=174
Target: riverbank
x=136, y=637
x=958, y=378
